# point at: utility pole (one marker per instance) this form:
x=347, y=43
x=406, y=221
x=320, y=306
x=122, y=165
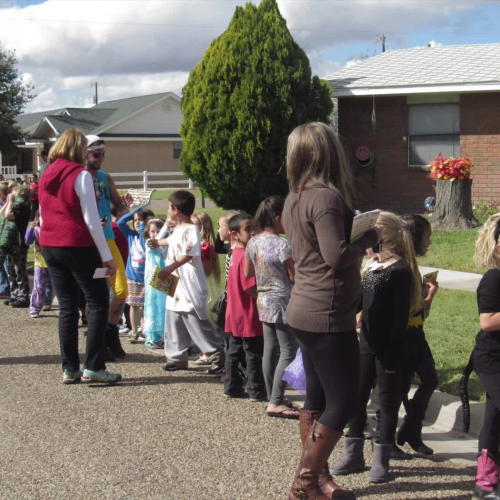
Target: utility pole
x=381, y=39
x=96, y=98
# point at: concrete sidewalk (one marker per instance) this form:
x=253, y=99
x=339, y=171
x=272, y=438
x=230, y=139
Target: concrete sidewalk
x=455, y=280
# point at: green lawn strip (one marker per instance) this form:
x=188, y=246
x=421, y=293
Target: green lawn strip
x=452, y=250
x=451, y=329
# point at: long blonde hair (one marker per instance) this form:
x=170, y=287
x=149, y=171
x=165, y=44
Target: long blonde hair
x=398, y=241
x=70, y=146
x=486, y=255
x=207, y=234
x=316, y=157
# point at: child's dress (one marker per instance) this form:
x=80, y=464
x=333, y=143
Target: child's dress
x=42, y=284
x=214, y=287
x=154, y=301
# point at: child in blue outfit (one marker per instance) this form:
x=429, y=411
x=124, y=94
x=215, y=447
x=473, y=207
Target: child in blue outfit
x=155, y=301
x=136, y=264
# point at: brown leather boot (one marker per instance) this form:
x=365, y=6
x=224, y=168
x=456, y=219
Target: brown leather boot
x=326, y=484
x=318, y=446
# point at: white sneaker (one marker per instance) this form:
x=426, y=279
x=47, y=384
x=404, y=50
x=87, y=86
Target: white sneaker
x=34, y=315
x=123, y=330
x=202, y=360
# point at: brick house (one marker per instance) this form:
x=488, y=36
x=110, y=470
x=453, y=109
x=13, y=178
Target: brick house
x=410, y=105
x=141, y=133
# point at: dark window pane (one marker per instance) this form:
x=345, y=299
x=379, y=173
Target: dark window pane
x=425, y=148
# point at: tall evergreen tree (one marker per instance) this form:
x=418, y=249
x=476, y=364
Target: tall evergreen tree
x=250, y=90
x=14, y=95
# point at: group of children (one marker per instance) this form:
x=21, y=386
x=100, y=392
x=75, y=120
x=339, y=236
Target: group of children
x=240, y=330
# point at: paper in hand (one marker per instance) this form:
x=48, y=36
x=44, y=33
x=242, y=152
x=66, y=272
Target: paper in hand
x=363, y=223
x=100, y=273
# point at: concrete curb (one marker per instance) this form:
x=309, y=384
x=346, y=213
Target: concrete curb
x=445, y=412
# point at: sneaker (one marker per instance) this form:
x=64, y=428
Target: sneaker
x=47, y=307
x=17, y=304
x=35, y=315
x=216, y=370
x=259, y=399
x=155, y=345
x=202, y=360
x=123, y=330
x=133, y=338
x=236, y=395
x=170, y=366
x=101, y=376
x=70, y=377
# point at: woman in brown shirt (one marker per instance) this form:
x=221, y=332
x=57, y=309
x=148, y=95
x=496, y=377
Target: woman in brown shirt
x=322, y=310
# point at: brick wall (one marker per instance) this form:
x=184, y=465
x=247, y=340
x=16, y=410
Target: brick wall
x=480, y=141
x=394, y=186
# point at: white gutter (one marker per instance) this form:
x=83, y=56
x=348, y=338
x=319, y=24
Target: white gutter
x=434, y=89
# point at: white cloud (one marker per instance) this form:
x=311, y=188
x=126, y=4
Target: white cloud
x=122, y=49
x=433, y=43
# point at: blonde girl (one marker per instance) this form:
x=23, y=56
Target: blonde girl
x=211, y=266
x=392, y=292
x=486, y=357
x=154, y=300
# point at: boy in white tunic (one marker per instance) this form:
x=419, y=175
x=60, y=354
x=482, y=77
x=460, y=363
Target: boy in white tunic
x=187, y=317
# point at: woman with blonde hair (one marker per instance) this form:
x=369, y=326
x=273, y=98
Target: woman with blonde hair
x=74, y=246
x=392, y=292
x=317, y=218
x=486, y=358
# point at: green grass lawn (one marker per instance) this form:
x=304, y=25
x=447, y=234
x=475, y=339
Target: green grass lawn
x=452, y=250
x=451, y=329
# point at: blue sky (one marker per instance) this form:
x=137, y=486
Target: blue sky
x=116, y=43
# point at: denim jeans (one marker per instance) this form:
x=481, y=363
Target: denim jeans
x=4, y=277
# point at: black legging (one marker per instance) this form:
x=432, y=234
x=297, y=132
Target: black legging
x=489, y=439
x=72, y=269
x=331, y=363
x=391, y=388
x=421, y=362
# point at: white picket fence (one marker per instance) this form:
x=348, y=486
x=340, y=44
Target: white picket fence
x=144, y=179
x=9, y=173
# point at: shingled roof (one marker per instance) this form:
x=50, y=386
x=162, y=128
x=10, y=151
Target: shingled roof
x=459, y=68
x=90, y=120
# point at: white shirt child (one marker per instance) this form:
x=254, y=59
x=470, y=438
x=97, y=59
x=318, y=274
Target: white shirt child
x=191, y=292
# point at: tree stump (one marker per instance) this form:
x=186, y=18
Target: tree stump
x=454, y=205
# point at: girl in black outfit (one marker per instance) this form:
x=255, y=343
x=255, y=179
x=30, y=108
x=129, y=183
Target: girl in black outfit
x=420, y=358
x=392, y=290
x=486, y=358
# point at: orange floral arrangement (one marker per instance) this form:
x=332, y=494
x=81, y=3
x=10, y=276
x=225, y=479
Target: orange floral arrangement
x=451, y=169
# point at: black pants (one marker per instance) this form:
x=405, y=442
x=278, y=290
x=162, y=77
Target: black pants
x=489, y=439
x=241, y=350
x=421, y=362
x=72, y=269
x=391, y=390
x=331, y=363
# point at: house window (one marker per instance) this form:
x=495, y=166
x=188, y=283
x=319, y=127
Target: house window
x=433, y=129
x=177, y=149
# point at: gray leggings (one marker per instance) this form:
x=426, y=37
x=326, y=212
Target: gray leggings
x=280, y=348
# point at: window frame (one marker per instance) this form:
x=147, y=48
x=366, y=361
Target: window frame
x=409, y=135
x=177, y=151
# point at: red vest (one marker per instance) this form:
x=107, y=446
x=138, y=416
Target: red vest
x=62, y=220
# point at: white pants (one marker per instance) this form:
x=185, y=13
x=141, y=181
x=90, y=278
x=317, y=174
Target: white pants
x=182, y=329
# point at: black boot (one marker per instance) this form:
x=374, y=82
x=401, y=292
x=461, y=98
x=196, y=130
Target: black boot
x=113, y=341
x=411, y=432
